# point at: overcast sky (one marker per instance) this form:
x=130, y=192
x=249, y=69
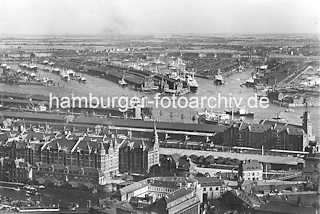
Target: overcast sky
x=158, y=16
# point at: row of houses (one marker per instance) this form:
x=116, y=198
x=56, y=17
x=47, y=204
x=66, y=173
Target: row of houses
x=271, y=134
x=76, y=159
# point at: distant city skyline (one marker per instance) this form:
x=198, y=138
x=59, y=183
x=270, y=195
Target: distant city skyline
x=45, y=17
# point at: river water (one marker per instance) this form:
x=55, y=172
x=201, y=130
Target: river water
x=105, y=88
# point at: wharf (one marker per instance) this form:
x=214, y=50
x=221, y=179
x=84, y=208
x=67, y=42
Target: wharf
x=23, y=83
x=126, y=124
x=115, y=72
x=18, y=100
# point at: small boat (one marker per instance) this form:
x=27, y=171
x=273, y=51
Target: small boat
x=241, y=113
x=65, y=75
x=33, y=67
x=82, y=80
x=56, y=70
x=122, y=82
x=47, y=81
x=218, y=79
x=249, y=82
x=45, y=62
x=33, y=75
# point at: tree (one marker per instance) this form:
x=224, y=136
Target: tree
x=210, y=159
x=202, y=160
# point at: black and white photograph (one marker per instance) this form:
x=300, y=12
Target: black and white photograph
x=160, y=106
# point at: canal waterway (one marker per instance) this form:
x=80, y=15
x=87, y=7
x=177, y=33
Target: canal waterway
x=104, y=88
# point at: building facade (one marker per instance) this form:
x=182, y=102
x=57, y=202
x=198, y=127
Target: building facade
x=209, y=188
x=138, y=155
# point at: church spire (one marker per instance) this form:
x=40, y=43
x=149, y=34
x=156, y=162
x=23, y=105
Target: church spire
x=156, y=137
x=306, y=121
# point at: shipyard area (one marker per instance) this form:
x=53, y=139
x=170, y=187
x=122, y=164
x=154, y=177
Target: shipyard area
x=123, y=123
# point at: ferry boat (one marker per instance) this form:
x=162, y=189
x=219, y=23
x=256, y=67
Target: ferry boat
x=242, y=112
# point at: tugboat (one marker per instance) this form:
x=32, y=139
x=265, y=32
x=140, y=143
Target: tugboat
x=250, y=82
x=122, y=82
x=241, y=113
x=218, y=79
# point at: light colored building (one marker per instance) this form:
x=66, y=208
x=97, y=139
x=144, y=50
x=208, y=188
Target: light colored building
x=155, y=188
x=209, y=188
x=251, y=170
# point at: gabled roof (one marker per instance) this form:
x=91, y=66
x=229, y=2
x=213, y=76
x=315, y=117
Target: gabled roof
x=137, y=143
x=278, y=124
x=292, y=131
x=178, y=194
x=258, y=128
x=209, y=181
x=62, y=143
x=251, y=165
x=134, y=186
